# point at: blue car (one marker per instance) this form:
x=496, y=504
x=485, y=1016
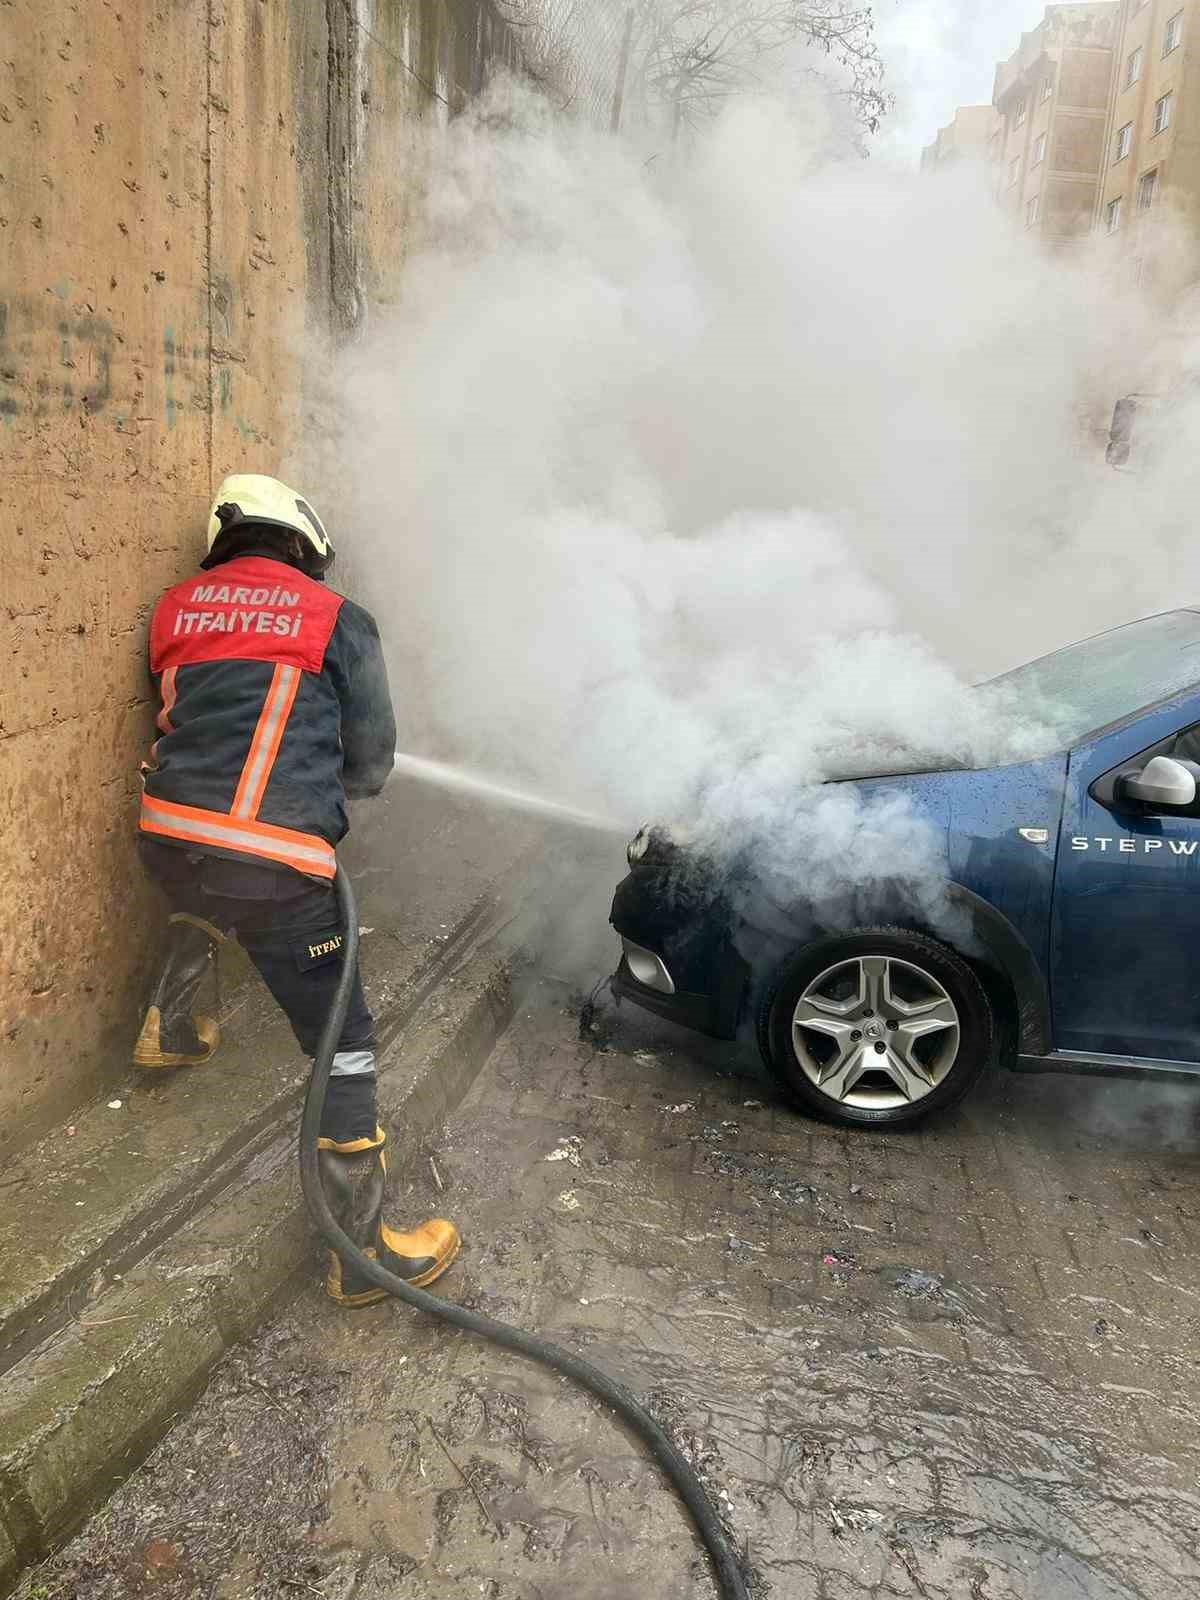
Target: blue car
x=1067, y=934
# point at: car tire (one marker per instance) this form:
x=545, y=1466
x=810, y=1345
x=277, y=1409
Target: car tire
x=915, y=960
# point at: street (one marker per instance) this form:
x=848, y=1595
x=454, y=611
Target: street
x=950, y=1364
x=705, y=488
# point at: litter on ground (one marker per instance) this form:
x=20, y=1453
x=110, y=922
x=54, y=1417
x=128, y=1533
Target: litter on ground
x=567, y=1150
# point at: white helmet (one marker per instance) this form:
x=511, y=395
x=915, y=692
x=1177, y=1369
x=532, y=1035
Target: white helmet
x=248, y=498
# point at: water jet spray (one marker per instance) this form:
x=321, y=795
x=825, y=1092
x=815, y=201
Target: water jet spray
x=463, y=781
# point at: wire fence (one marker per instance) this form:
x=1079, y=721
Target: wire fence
x=579, y=49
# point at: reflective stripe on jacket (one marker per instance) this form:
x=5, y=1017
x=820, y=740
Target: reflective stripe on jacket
x=275, y=705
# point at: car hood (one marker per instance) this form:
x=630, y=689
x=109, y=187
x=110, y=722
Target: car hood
x=969, y=801
x=850, y=769
x=963, y=805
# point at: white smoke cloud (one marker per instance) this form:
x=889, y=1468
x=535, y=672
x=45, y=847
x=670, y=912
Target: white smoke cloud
x=678, y=483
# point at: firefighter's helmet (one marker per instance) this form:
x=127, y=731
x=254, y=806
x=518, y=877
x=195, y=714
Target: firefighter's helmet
x=248, y=500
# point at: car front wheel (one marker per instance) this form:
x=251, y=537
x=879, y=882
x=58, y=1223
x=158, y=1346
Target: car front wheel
x=876, y=1028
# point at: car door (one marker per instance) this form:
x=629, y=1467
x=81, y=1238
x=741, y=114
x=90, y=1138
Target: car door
x=1125, y=925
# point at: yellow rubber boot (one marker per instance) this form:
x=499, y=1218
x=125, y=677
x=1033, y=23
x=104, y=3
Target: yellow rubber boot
x=354, y=1176
x=172, y=1035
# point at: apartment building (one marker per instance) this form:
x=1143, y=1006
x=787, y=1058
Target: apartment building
x=967, y=136
x=1151, y=175
x=1051, y=103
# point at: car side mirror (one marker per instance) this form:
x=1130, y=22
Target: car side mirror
x=1164, y=782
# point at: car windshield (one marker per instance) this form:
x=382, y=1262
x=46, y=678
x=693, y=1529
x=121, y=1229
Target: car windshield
x=1087, y=686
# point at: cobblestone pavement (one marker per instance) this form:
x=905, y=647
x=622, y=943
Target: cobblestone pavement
x=956, y=1364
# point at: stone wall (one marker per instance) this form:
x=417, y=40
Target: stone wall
x=196, y=201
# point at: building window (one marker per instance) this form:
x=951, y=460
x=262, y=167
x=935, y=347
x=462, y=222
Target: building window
x=1022, y=109
x=1173, y=34
x=1039, y=149
x=1112, y=215
x=1033, y=211
x=1133, y=67
x=1047, y=86
x=1162, y=113
x=1147, y=188
x=1124, y=141
x=1014, y=170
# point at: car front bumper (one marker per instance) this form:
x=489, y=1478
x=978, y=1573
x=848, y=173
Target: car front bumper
x=678, y=957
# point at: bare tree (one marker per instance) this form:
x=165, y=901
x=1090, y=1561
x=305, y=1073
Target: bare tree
x=688, y=56
x=696, y=53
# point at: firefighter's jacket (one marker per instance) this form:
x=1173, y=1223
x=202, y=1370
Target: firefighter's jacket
x=275, y=706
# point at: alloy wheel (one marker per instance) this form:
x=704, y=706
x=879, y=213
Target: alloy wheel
x=875, y=1033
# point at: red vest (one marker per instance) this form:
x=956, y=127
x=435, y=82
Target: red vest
x=249, y=763
x=251, y=609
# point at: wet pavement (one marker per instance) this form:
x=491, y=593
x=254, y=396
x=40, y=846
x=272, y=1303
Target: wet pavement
x=957, y=1364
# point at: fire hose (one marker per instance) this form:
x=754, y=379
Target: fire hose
x=683, y=1478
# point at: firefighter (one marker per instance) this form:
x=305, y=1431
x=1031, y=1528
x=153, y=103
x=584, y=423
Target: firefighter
x=274, y=708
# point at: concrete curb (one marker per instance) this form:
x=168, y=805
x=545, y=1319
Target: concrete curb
x=83, y=1409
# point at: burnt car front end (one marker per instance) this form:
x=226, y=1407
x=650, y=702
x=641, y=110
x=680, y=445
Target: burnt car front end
x=674, y=916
